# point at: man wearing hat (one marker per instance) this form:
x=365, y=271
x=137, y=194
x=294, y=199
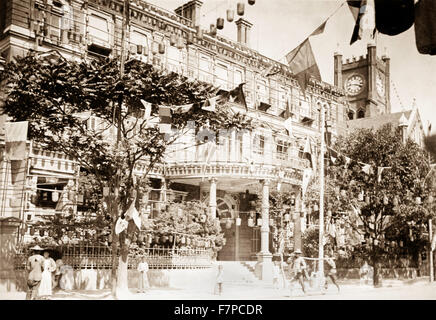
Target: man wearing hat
x=299, y=268
x=34, y=266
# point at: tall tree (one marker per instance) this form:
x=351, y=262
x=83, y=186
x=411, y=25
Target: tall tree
x=59, y=97
x=387, y=209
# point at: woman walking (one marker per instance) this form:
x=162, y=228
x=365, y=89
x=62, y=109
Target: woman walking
x=49, y=266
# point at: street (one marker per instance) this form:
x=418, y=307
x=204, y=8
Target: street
x=417, y=291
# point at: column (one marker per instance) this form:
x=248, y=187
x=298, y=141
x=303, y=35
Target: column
x=297, y=222
x=212, y=197
x=264, y=266
x=163, y=194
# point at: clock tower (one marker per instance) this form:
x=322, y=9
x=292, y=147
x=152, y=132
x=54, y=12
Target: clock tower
x=366, y=81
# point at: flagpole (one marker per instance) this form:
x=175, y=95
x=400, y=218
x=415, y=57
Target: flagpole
x=321, y=198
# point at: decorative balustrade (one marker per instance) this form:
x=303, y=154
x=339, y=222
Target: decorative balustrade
x=100, y=257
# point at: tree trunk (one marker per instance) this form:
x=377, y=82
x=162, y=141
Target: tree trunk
x=122, y=277
x=376, y=276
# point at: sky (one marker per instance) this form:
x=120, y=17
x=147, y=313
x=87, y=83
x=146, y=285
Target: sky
x=281, y=25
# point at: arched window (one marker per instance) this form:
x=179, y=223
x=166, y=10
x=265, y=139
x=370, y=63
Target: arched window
x=360, y=114
x=350, y=115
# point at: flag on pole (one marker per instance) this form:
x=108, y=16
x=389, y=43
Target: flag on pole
x=307, y=152
x=132, y=213
x=15, y=140
x=302, y=62
x=165, y=119
x=147, y=111
x=358, y=9
x=307, y=173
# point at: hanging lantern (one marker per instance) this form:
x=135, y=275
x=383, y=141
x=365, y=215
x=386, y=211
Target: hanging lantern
x=173, y=39
x=238, y=221
x=161, y=48
x=418, y=200
x=385, y=200
x=228, y=224
x=315, y=207
x=286, y=217
x=376, y=242
x=154, y=47
x=360, y=196
x=329, y=213
x=180, y=42
x=251, y=2
x=259, y=222
x=183, y=240
x=343, y=193
x=54, y=196
x=212, y=30
x=230, y=15
x=203, y=218
x=250, y=222
x=220, y=23
x=240, y=8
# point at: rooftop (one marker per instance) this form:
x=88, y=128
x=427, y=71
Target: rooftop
x=378, y=121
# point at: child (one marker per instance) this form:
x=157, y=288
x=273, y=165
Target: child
x=143, y=277
x=220, y=279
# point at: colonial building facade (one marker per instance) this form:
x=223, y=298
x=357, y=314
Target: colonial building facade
x=240, y=169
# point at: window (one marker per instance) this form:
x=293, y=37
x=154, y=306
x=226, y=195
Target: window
x=350, y=115
x=283, y=99
x=238, y=78
x=221, y=76
x=360, y=114
x=262, y=91
x=282, y=148
x=55, y=25
x=259, y=144
x=205, y=69
x=99, y=30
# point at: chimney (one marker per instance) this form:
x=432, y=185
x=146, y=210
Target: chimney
x=191, y=11
x=244, y=28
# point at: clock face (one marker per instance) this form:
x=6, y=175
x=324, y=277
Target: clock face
x=380, y=86
x=354, y=84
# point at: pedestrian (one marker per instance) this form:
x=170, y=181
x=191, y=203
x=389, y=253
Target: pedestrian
x=49, y=266
x=276, y=273
x=220, y=279
x=35, y=267
x=143, y=276
x=57, y=273
x=331, y=272
x=364, y=273
x=299, y=269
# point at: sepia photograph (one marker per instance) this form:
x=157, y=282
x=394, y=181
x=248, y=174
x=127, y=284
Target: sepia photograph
x=236, y=152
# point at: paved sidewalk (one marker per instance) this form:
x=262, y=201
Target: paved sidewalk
x=392, y=289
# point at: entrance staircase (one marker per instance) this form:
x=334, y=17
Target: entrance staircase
x=239, y=272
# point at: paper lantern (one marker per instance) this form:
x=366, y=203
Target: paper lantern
x=251, y=2
x=250, y=222
x=230, y=15
x=190, y=38
x=161, y=48
x=212, y=30
x=238, y=221
x=154, y=47
x=228, y=224
x=220, y=23
x=286, y=217
x=54, y=196
x=418, y=200
x=315, y=207
x=173, y=39
x=360, y=196
x=240, y=8
x=199, y=32
x=259, y=222
x=180, y=42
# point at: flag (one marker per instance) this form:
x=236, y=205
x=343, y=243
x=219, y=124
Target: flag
x=210, y=104
x=235, y=95
x=302, y=63
x=132, y=213
x=347, y=161
x=379, y=173
x=307, y=173
x=307, y=152
x=319, y=30
x=183, y=108
x=121, y=225
x=358, y=9
x=288, y=125
x=147, y=106
x=165, y=119
x=15, y=140
x=367, y=169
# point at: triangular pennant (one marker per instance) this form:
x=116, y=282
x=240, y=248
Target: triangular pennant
x=319, y=30
x=210, y=104
x=132, y=213
x=183, y=108
x=366, y=168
